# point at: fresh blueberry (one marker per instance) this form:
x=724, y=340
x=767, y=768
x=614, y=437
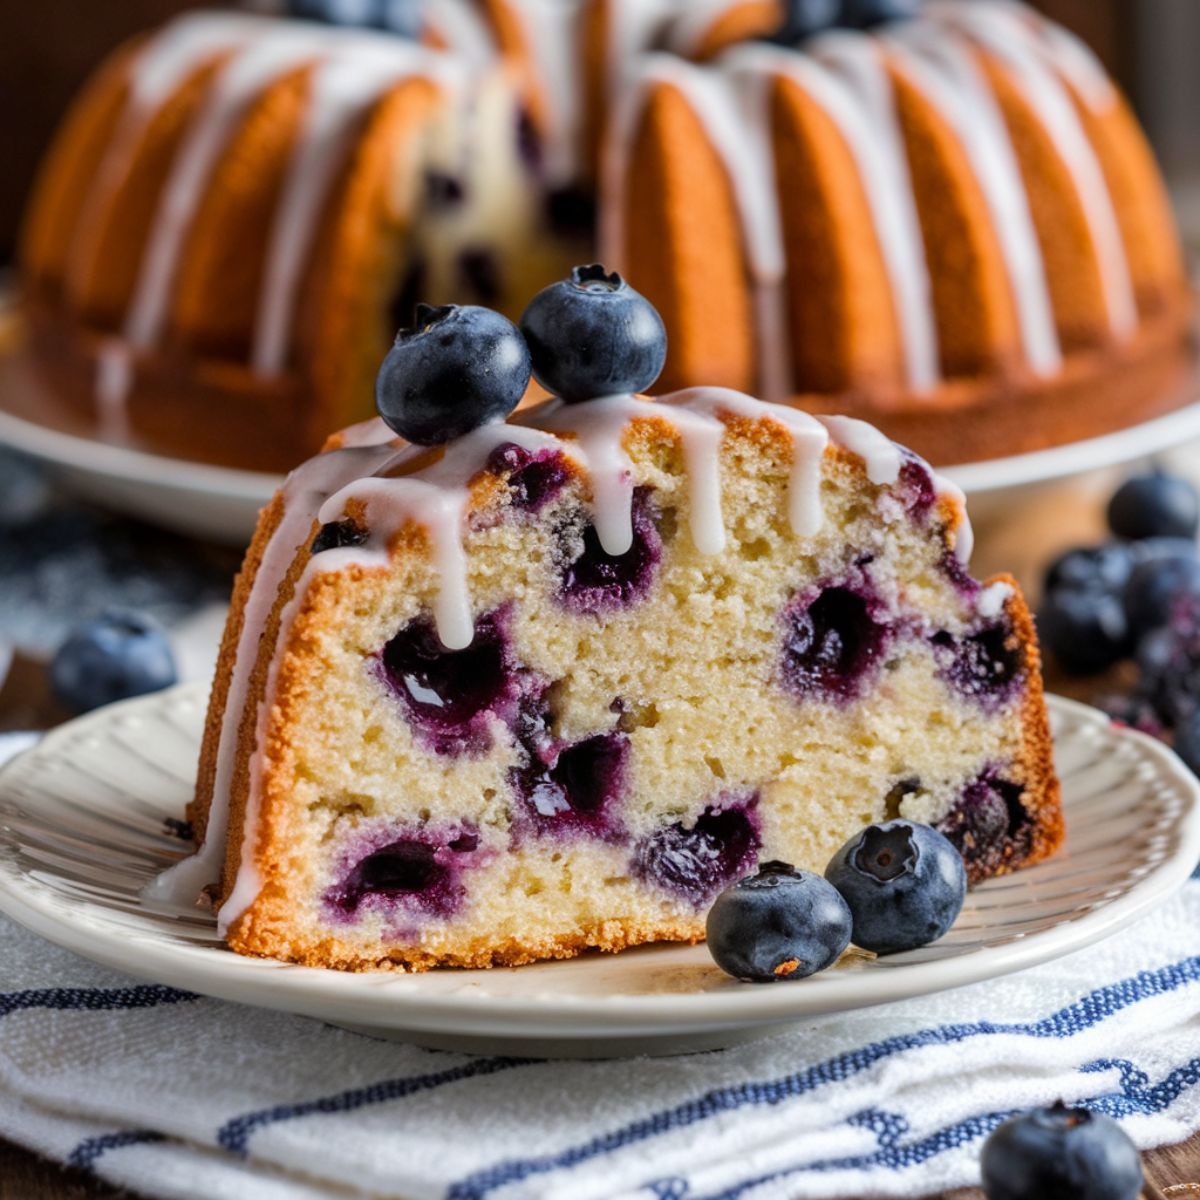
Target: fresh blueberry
x=1155, y=505
x=804, y=18
x=778, y=923
x=457, y=368
x=1187, y=740
x=862, y=14
x=117, y=655
x=1086, y=630
x=905, y=884
x=401, y=17
x=1103, y=568
x=1168, y=660
x=1156, y=586
x=1060, y=1151
x=592, y=335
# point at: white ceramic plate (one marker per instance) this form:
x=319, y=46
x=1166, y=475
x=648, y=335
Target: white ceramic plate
x=84, y=824
x=222, y=504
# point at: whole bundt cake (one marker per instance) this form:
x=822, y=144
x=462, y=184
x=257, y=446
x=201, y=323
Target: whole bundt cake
x=950, y=225
x=554, y=684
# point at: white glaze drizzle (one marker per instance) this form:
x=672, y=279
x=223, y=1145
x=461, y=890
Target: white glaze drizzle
x=552, y=32
x=1009, y=38
x=306, y=487
x=463, y=27
x=860, y=105
x=262, y=61
x=344, y=88
x=940, y=65
x=728, y=107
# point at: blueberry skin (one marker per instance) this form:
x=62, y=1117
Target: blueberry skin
x=1155, y=587
x=1155, y=505
x=1051, y=1152
x=804, y=18
x=592, y=335
x=1086, y=630
x=904, y=882
x=401, y=17
x=1103, y=568
x=862, y=14
x=779, y=923
x=117, y=655
x=457, y=368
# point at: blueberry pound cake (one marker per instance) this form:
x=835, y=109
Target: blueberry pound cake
x=556, y=683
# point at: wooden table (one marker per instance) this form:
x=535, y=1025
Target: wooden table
x=1172, y=1173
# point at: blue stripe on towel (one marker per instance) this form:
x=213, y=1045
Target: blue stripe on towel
x=147, y=995
x=1136, y=1095
x=234, y=1135
x=1084, y=1013
x=90, y=1149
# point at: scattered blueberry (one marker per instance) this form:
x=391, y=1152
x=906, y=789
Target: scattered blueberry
x=117, y=655
x=904, y=884
x=592, y=335
x=1098, y=568
x=1155, y=587
x=984, y=665
x=457, y=368
x=534, y=478
x=1060, y=1151
x=1155, y=505
x=988, y=819
x=778, y=923
x=1086, y=630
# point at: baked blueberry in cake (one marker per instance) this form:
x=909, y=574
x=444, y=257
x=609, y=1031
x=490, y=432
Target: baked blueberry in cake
x=557, y=682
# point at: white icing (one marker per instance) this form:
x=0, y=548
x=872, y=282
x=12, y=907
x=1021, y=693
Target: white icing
x=992, y=600
x=881, y=456
x=552, y=35
x=964, y=535
x=1005, y=35
x=463, y=28
x=862, y=108
x=941, y=66
x=114, y=379
x=262, y=62
x=306, y=487
x=344, y=88
x=692, y=25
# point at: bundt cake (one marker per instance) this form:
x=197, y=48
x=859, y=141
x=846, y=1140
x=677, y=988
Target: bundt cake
x=555, y=684
x=951, y=226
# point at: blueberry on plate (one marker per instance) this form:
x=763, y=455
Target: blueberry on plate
x=1156, y=586
x=1060, y=1151
x=1154, y=505
x=1086, y=630
x=779, y=923
x=862, y=14
x=1104, y=568
x=117, y=655
x=592, y=335
x=457, y=368
x=904, y=882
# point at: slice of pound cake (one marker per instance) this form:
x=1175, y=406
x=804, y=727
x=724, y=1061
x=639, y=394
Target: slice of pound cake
x=555, y=683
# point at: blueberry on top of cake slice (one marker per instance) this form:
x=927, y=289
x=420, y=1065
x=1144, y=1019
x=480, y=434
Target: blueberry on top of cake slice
x=557, y=675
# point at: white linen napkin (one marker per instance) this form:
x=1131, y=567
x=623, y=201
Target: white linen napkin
x=173, y=1095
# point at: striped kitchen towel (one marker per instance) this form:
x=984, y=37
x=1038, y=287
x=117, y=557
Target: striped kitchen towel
x=173, y=1095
